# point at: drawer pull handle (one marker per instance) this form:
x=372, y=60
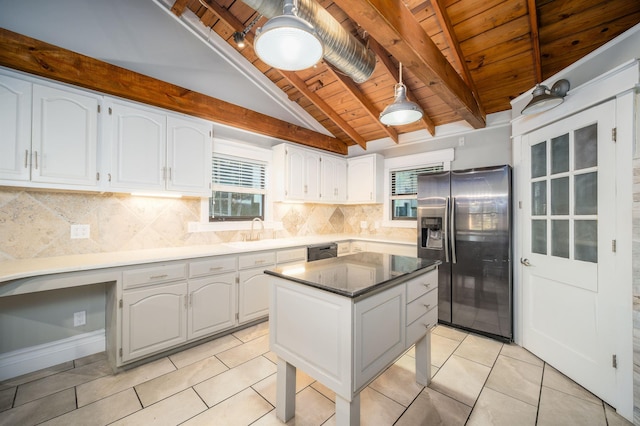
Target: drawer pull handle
x=217, y=268
x=427, y=285
x=257, y=262
x=157, y=277
x=427, y=306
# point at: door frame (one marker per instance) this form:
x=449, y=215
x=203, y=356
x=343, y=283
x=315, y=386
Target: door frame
x=618, y=84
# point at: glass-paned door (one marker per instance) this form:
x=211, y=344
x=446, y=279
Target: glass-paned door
x=564, y=195
x=568, y=225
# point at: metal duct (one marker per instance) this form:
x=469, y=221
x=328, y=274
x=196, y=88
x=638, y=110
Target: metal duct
x=341, y=48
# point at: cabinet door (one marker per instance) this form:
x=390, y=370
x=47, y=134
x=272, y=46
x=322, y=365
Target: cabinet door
x=340, y=181
x=212, y=303
x=361, y=180
x=253, y=295
x=138, y=148
x=189, y=156
x=65, y=137
x=295, y=174
x=154, y=319
x=379, y=328
x=312, y=176
x=15, y=122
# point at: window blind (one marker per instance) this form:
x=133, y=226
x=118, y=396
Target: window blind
x=235, y=175
x=405, y=182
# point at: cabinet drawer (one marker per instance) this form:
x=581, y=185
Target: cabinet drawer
x=215, y=265
x=419, y=327
x=421, y=285
x=422, y=305
x=344, y=248
x=153, y=275
x=257, y=259
x=291, y=255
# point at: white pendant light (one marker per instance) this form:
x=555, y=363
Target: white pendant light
x=545, y=99
x=288, y=42
x=401, y=111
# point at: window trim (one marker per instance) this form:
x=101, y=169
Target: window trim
x=408, y=162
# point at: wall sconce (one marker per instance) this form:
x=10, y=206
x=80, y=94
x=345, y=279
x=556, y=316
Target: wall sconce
x=544, y=98
x=401, y=111
x=288, y=42
x=238, y=36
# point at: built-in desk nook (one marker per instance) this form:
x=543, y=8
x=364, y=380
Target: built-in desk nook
x=344, y=320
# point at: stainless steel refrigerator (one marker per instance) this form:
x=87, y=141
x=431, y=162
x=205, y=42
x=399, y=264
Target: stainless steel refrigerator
x=465, y=220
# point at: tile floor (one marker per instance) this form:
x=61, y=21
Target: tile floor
x=231, y=381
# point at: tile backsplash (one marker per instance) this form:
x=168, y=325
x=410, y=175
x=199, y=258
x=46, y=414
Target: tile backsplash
x=36, y=223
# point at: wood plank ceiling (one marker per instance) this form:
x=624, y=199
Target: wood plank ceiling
x=462, y=59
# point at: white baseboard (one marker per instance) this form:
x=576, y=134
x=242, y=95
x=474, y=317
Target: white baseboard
x=27, y=360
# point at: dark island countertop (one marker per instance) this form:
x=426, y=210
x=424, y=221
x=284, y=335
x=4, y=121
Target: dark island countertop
x=355, y=275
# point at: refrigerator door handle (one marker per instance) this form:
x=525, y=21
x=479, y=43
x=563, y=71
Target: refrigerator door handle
x=446, y=230
x=452, y=228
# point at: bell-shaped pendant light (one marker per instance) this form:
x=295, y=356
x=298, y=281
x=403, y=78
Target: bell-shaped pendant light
x=544, y=98
x=288, y=42
x=401, y=111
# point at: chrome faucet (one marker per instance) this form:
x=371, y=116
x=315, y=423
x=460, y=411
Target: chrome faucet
x=253, y=222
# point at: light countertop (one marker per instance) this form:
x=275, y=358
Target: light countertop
x=22, y=268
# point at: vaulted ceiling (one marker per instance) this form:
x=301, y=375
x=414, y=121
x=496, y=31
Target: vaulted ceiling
x=462, y=59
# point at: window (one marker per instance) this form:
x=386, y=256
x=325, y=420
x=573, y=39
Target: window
x=238, y=189
x=404, y=190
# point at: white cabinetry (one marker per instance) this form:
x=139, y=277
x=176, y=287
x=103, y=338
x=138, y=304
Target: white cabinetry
x=365, y=179
x=212, y=296
x=333, y=175
x=51, y=135
x=154, y=310
x=189, y=150
x=308, y=175
x=253, y=292
x=15, y=122
x=154, y=151
x=379, y=333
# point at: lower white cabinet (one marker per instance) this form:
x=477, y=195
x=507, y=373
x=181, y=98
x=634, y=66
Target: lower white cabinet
x=212, y=302
x=154, y=318
x=253, y=288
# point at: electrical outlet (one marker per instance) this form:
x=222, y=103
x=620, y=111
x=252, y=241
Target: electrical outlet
x=80, y=231
x=79, y=318
x=461, y=141
x=363, y=224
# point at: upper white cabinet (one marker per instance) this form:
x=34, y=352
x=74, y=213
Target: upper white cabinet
x=15, y=122
x=189, y=150
x=51, y=135
x=333, y=172
x=151, y=150
x=365, y=179
x=137, y=138
x=308, y=175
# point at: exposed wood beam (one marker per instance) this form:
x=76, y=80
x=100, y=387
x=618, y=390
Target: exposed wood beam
x=535, y=40
x=388, y=65
x=179, y=6
x=299, y=84
x=43, y=59
x=295, y=81
x=367, y=105
x=447, y=29
x=394, y=26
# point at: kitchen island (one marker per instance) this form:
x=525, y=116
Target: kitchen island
x=344, y=320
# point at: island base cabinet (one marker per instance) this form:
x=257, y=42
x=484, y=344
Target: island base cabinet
x=212, y=302
x=155, y=319
x=379, y=333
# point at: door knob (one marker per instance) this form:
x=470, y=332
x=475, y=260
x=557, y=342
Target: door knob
x=525, y=262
